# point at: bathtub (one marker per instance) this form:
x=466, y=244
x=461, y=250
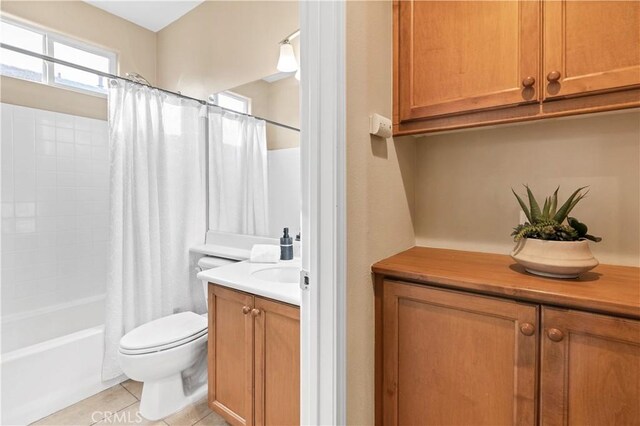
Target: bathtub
x=64, y=367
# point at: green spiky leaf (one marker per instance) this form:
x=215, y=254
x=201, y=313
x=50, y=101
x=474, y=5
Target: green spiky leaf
x=568, y=205
x=522, y=205
x=536, y=214
x=554, y=203
x=545, y=209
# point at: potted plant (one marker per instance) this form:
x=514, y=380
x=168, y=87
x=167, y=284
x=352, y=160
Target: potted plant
x=546, y=245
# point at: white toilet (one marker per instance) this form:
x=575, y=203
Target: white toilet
x=158, y=353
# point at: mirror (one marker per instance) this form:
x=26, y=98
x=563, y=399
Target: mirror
x=274, y=98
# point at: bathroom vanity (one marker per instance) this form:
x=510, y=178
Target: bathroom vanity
x=470, y=338
x=254, y=343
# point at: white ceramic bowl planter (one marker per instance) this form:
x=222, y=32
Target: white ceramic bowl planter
x=555, y=259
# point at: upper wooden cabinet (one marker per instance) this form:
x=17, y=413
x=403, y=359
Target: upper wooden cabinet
x=468, y=63
x=457, y=56
x=590, y=46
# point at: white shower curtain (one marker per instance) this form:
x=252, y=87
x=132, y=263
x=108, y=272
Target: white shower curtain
x=238, y=186
x=157, y=148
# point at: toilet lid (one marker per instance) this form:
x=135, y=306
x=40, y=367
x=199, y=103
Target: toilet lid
x=163, y=333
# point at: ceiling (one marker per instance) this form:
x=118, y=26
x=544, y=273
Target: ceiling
x=153, y=15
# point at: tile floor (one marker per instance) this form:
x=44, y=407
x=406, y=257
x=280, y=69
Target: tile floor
x=119, y=405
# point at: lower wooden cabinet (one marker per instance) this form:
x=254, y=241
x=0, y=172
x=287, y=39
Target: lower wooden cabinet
x=254, y=359
x=458, y=359
x=449, y=357
x=590, y=369
x=277, y=363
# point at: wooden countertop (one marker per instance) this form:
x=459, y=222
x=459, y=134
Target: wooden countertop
x=607, y=289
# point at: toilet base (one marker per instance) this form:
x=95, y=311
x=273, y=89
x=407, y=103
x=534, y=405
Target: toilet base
x=161, y=398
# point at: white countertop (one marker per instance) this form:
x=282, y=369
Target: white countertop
x=239, y=276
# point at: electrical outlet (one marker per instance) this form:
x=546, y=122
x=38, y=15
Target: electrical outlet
x=523, y=217
x=380, y=126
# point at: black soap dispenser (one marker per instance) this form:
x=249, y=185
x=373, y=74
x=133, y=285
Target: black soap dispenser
x=286, y=246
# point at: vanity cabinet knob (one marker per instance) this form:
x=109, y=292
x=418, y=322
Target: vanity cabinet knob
x=255, y=312
x=527, y=329
x=246, y=310
x=528, y=81
x=555, y=334
x=553, y=76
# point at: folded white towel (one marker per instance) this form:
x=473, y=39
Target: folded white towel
x=265, y=253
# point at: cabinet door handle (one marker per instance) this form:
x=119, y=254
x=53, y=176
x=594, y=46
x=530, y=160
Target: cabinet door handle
x=528, y=81
x=555, y=334
x=255, y=312
x=527, y=329
x=553, y=76
x=246, y=310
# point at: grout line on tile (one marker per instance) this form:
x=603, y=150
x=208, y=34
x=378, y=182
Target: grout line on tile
x=125, y=388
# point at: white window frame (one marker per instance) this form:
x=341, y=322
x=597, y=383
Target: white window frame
x=48, y=39
x=245, y=99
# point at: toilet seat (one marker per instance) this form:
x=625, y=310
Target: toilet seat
x=164, y=333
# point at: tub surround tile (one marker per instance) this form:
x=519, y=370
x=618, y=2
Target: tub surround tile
x=55, y=195
x=92, y=409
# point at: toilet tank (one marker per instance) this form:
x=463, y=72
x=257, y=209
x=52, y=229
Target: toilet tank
x=210, y=262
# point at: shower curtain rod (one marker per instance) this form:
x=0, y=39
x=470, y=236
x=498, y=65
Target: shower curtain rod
x=107, y=75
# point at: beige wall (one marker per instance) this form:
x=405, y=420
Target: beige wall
x=223, y=44
x=278, y=101
x=464, y=179
x=135, y=46
x=379, y=191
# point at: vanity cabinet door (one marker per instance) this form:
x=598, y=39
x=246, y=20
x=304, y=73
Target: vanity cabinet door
x=277, y=363
x=590, y=46
x=230, y=355
x=590, y=369
x=456, y=358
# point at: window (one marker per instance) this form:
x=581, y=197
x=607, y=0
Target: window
x=25, y=67
x=232, y=101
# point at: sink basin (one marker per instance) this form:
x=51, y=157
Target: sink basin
x=279, y=274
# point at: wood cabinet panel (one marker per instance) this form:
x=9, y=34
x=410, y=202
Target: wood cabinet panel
x=446, y=352
x=455, y=358
x=230, y=358
x=277, y=363
x=462, y=56
x=461, y=64
x=253, y=359
x=590, y=369
x=590, y=46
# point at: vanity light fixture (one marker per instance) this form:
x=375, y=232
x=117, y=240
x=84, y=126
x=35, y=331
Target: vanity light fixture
x=287, y=61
